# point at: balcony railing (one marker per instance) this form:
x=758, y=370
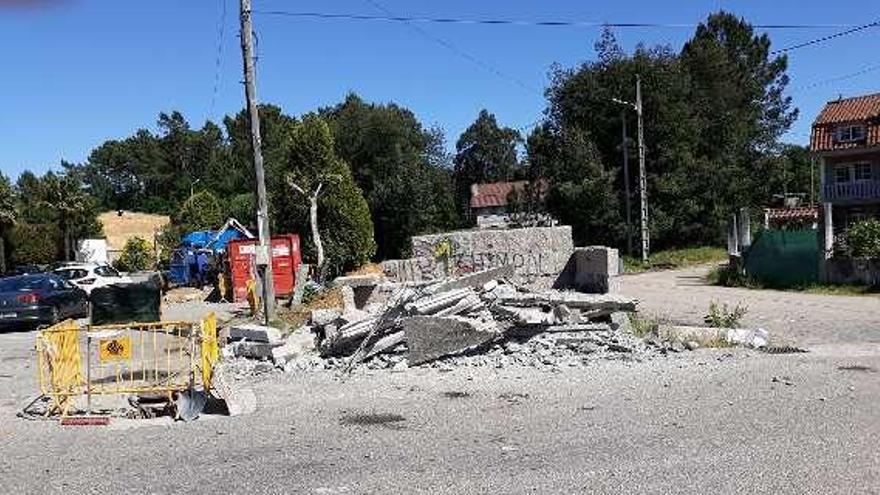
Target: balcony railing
x=852, y=191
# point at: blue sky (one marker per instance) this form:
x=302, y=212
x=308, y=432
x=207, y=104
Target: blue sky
x=78, y=72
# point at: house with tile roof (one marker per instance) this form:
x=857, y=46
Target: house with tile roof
x=845, y=140
x=505, y=204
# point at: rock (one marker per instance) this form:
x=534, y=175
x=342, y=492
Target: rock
x=321, y=317
x=617, y=347
x=429, y=338
x=691, y=345
x=621, y=322
x=525, y=316
x=254, y=333
x=488, y=286
x=401, y=366
x=676, y=347
x=252, y=350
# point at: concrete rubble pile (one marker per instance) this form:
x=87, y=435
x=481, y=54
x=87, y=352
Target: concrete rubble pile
x=479, y=319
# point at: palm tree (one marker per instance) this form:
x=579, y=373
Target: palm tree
x=7, y=215
x=65, y=196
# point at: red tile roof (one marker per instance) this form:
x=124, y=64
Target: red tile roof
x=496, y=193
x=860, y=109
x=800, y=212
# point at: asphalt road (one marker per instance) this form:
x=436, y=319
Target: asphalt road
x=709, y=421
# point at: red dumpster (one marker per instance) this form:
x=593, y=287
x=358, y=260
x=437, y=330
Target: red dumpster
x=286, y=259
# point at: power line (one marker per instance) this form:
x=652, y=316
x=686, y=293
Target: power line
x=826, y=38
x=458, y=51
x=390, y=17
x=221, y=30
x=843, y=77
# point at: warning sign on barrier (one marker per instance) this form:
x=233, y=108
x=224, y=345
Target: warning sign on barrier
x=116, y=349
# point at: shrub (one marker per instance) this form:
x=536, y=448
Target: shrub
x=723, y=317
x=137, y=255
x=863, y=239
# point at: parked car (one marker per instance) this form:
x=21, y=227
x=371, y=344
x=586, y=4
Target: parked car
x=40, y=299
x=23, y=270
x=87, y=276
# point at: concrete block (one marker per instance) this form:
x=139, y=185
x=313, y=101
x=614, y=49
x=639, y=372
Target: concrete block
x=533, y=253
x=594, y=269
x=254, y=333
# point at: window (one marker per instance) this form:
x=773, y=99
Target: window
x=862, y=171
x=841, y=174
x=849, y=133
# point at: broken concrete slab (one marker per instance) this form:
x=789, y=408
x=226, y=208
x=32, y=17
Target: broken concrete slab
x=437, y=302
x=574, y=300
x=474, y=280
x=369, y=280
x=429, y=337
x=239, y=399
x=348, y=302
x=525, y=316
x=254, y=333
x=386, y=343
x=299, y=343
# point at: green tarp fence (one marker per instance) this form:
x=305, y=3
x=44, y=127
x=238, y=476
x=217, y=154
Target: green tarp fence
x=784, y=258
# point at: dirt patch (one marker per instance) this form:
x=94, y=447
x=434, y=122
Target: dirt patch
x=388, y=420
x=299, y=316
x=368, y=269
x=119, y=229
x=858, y=367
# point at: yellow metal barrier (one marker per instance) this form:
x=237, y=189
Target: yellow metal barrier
x=136, y=358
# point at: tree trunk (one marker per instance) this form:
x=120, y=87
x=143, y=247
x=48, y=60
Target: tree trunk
x=2, y=254
x=316, y=236
x=65, y=233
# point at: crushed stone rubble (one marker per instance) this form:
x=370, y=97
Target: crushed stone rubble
x=479, y=319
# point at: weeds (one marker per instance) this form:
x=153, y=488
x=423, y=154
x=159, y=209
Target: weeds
x=724, y=317
x=642, y=327
x=675, y=258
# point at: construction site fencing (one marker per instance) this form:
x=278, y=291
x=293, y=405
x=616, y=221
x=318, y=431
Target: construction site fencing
x=78, y=363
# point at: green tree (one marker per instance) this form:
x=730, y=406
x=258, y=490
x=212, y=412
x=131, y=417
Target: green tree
x=200, y=212
x=400, y=167
x=8, y=215
x=35, y=244
x=485, y=153
x=65, y=196
x=137, y=255
x=344, y=223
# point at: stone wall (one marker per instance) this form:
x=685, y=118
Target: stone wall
x=538, y=255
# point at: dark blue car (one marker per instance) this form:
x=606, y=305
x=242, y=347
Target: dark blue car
x=42, y=299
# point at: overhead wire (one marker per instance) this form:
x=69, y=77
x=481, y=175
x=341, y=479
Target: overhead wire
x=391, y=17
x=461, y=53
x=823, y=39
x=221, y=30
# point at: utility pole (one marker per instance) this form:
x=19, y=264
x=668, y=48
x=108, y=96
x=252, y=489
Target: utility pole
x=263, y=254
x=643, y=182
x=628, y=196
